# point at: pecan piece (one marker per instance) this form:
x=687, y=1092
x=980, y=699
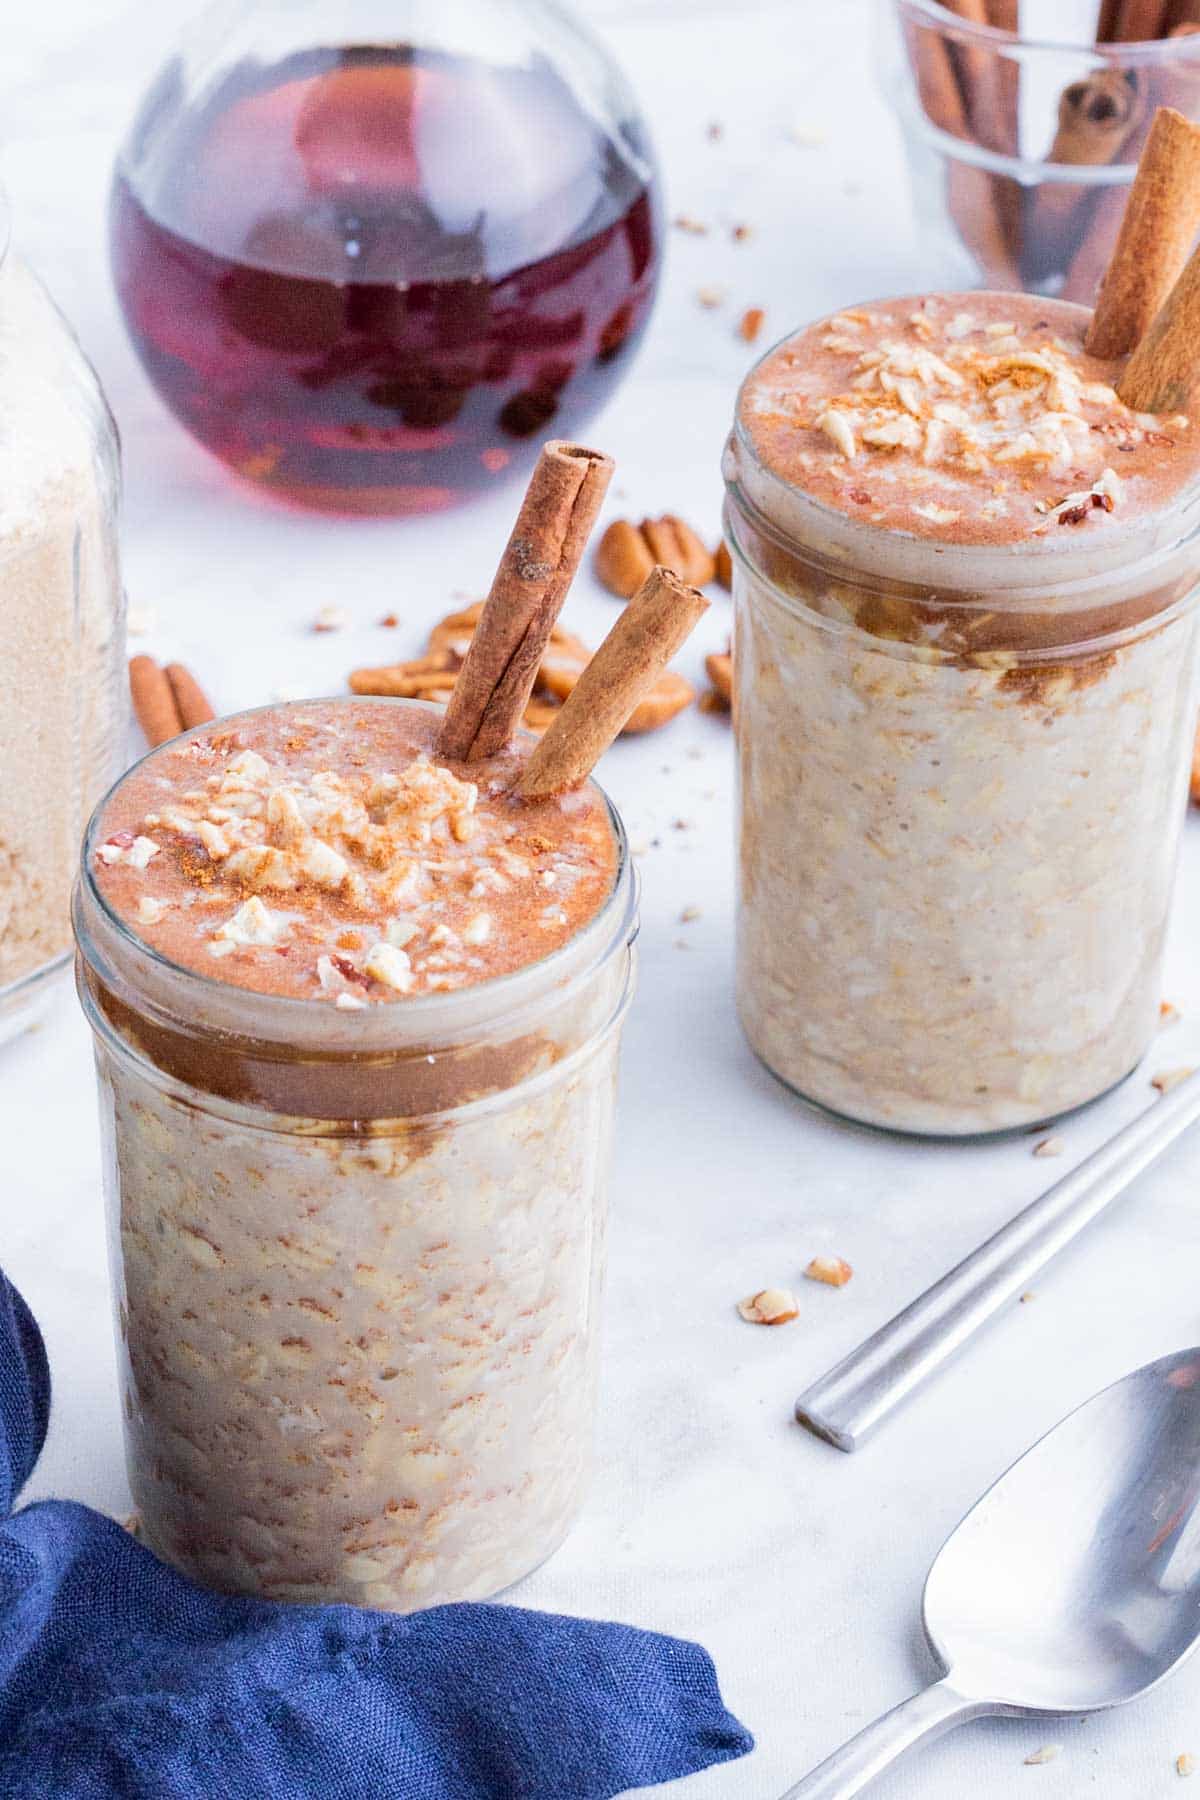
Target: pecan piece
x=751, y=323
x=723, y=565
x=720, y=673
x=421, y=678
x=669, y=695
x=834, y=1271
x=771, y=1306
x=432, y=676
x=627, y=552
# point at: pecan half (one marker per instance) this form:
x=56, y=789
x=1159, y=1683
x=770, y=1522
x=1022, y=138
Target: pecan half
x=627, y=552
x=432, y=676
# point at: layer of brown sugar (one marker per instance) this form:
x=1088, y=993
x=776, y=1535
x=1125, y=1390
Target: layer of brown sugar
x=964, y=418
x=318, y=851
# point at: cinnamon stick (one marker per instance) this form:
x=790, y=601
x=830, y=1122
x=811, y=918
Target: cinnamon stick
x=1140, y=21
x=981, y=205
x=1097, y=116
x=154, y=703
x=538, y=565
x=191, y=702
x=635, y=652
x=979, y=77
x=1163, y=374
x=1160, y=222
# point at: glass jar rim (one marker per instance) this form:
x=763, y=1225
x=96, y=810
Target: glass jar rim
x=958, y=602
x=1144, y=52
x=298, y=1020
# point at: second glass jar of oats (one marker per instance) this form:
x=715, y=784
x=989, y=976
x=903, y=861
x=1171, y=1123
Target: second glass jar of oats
x=964, y=579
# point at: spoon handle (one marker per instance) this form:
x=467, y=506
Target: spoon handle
x=935, y=1710
x=867, y=1386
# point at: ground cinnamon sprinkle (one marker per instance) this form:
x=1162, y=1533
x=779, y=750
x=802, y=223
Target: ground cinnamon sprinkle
x=339, y=861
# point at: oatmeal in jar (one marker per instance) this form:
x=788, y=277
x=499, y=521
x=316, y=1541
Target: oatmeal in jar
x=964, y=575
x=356, y=1013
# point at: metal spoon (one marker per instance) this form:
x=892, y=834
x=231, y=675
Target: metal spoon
x=1072, y=1586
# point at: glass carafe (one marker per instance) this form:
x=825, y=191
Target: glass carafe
x=372, y=252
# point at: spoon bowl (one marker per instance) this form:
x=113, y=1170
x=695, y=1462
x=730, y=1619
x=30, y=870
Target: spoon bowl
x=1073, y=1584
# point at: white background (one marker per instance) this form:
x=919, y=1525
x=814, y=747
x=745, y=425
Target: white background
x=712, y=1515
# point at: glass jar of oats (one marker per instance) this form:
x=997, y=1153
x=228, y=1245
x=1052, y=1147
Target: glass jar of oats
x=356, y=1018
x=964, y=579
x=62, y=659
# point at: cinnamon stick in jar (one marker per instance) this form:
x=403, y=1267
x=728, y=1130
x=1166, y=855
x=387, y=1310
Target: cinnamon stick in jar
x=1161, y=218
x=1134, y=22
x=1097, y=117
x=538, y=566
x=1163, y=374
x=638, y=648
x=973, y=196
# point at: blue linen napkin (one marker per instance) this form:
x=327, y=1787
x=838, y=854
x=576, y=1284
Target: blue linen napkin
x=121, y=1680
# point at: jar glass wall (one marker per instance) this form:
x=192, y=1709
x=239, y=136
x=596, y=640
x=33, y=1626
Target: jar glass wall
x=358, y=1264
x=61, y=630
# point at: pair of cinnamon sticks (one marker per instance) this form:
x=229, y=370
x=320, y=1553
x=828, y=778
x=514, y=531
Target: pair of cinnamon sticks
x=166, y=701
x=539, y=563
x=494, y=685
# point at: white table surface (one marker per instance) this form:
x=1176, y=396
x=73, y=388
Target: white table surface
x=712, y=1515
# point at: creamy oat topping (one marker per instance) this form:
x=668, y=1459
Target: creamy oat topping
x=968, y=418
x=321, y=852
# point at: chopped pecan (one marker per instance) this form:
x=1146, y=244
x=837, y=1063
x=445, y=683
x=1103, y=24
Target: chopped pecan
x=750, y=324
x=422, y=678
x=771, y=1306
x=720, y=673
x=627, y=552
x=723, y=565
x=834, y=1271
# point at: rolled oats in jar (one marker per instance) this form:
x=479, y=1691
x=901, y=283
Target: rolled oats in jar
x=62, y=660
x=964, y=580
x=356, y=1018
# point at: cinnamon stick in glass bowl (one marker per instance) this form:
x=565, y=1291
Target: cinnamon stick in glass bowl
x=1034, y=205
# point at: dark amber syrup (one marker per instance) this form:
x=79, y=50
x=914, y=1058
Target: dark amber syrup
x=376, y=279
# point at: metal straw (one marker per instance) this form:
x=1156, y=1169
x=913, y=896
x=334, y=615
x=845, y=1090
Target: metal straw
x=853, y=1399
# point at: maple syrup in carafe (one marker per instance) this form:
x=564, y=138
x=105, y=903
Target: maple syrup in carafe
x=377, y=278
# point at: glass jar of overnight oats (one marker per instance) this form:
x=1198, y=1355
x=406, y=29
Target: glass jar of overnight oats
x=964, y=580
x=356, y=1019
x=62, y=650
